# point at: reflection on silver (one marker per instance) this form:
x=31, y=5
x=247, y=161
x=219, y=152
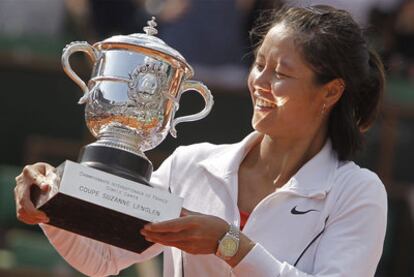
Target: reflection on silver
x=134, y=89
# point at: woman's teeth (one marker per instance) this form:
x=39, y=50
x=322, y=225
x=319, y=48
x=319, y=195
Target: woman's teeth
x=262, y=103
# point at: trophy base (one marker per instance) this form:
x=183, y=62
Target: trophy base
x=95, y=222
x=107, y=197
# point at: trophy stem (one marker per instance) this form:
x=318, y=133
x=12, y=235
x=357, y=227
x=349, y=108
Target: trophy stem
x=117, y=162
x=117, y=151
x=120, y=138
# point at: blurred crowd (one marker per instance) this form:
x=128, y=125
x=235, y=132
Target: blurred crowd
x=214, y=36
x=207, y=32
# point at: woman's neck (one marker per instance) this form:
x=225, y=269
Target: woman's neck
x=278, y=160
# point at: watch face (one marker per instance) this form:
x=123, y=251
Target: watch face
x=228, y=246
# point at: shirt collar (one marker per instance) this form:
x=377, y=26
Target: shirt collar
x=312, y=180
x=227, y=161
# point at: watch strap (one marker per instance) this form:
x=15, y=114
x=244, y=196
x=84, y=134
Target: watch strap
x=234, y=231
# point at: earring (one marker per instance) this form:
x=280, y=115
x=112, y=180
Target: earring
x=323, y=109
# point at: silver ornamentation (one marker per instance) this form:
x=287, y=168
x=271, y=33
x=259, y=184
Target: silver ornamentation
x=150, y=29
x=147, y=83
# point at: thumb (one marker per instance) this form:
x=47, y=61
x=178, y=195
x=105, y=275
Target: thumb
x=185, y=212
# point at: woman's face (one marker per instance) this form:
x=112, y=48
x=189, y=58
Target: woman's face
x=287, y=102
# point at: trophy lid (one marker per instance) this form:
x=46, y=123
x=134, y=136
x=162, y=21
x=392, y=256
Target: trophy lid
x=149, y=41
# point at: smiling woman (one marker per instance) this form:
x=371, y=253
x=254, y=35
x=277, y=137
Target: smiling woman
x=285, y=93
x=285, y=201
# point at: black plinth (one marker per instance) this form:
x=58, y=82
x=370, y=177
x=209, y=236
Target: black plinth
x=93, y=221
x=117, y=162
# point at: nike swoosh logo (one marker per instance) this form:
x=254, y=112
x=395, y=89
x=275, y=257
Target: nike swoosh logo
x=294, y=211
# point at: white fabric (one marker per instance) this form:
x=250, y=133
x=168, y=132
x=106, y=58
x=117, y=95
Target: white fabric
x=350, y=204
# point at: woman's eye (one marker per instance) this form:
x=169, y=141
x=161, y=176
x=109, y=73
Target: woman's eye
x=279, y=75
x=259, y=66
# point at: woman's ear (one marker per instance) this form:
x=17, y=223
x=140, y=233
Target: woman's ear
x=333, y=92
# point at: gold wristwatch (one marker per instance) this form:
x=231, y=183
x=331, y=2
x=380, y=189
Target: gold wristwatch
x=228, y=245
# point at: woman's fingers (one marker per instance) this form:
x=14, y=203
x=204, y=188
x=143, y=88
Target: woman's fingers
x=31, y=175
x=173, y=225
x=31, y=219
x=185, y=241
x=25, y=209
x=39, y=174
x=28, y=206
x=184, y=212
x=166, y=237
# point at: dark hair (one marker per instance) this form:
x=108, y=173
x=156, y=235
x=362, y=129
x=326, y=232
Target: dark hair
x=333, y=44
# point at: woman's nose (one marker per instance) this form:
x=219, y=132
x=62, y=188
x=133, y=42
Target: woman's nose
x=260, y=80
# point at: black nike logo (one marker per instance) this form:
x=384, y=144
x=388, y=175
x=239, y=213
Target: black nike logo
x=294, y=211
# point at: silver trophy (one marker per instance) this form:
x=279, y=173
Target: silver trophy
x=134, y=90
x=131, y=100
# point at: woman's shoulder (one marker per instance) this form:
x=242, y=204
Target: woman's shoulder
x=352, y=180
x=349, y=170
x=199, y=151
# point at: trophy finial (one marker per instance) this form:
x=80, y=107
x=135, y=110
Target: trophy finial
x=150, y=29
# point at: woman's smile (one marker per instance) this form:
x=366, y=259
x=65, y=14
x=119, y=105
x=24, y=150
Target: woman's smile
x=262, y=103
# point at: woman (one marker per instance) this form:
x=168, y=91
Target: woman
x=306, y=209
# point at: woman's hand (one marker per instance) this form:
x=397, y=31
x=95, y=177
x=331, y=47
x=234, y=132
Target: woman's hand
x=193, y=232
x=38, y=174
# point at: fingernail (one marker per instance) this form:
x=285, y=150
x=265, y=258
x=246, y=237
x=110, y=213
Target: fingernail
x=45, y=187
x=147, y=226
x=143, y=232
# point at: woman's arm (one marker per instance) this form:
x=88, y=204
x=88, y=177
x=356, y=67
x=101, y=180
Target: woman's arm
x=94, y=258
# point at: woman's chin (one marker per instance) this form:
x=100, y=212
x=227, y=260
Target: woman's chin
x=261, y=126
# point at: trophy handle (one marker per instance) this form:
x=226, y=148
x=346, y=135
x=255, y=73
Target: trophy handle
x=208, y=99
x=78, y=46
